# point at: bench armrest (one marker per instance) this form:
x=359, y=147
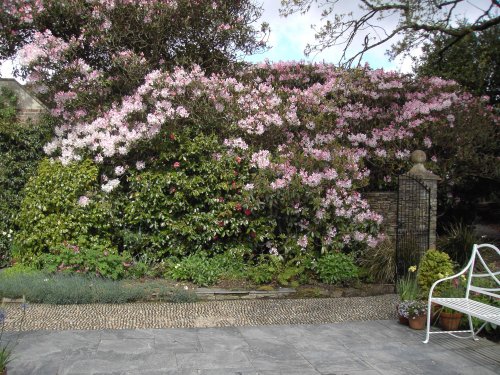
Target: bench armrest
x=466, y=268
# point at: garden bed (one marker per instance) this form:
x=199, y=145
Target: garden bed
x=37, y=287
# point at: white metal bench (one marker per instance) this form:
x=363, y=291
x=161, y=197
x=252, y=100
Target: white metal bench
x=476, y=269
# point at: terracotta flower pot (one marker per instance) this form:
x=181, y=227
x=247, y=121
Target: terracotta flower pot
x=402, y=319
x=450, y=321
x=418, y=322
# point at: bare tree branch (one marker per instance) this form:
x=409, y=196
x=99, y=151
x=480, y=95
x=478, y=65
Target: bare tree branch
x=418, y=20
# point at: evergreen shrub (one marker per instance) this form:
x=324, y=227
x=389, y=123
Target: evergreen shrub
x=62, y=203
x=433, y=266
x=337, y=268
x=20, y=151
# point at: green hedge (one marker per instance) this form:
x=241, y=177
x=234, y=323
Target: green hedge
x=21, y=148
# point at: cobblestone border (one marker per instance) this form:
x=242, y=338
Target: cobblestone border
x=201, y=314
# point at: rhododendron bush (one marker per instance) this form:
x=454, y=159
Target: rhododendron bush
x=268, y=159
x=308, y=137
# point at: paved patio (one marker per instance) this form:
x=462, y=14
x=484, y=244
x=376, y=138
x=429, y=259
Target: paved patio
x=365, y=347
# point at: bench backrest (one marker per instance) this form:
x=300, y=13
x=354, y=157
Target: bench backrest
x=480, y=271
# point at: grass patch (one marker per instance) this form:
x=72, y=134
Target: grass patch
x=38, y=287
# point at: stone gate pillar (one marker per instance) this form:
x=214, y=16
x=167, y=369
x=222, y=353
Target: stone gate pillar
x=430, y=180
x=416, y=214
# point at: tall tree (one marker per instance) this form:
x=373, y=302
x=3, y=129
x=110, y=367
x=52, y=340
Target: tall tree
x=103, y=49
x=474, y=62
x=417, y=21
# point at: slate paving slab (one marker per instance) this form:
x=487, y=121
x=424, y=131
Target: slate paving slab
x=378, y=347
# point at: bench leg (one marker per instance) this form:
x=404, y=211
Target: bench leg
x=472, y=328
x=427, y=330
x=480, y=329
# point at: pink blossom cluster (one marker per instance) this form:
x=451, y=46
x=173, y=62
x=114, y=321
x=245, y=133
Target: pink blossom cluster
x=51, y=61
x=43, y=46
x=24, y=10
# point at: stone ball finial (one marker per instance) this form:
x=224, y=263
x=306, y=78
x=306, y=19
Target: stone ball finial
x=418, y=157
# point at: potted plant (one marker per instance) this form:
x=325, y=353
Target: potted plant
x=417, y=314
x=433, y=266
x=402, y=310
x=407, y=289
x=449, y=319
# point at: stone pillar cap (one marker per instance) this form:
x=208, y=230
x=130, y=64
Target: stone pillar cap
x=418, y=158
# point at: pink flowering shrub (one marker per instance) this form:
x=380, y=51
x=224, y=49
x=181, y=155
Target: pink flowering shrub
x=310, y=137
x=131, y=87
x=312, y=134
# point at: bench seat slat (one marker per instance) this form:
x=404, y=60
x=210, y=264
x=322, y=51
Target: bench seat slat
x=474, y=308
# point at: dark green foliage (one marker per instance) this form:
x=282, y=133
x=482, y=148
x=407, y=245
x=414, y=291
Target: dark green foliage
x=474, y=61
x=204, y=270
x=92, y=258
x=198, y=268
x=20, y=150
x=263, y=272
x=337, y=268
x=269, y=268
x=289, y=275
x=457, y=241
x=467, y=162
x=191, y=200
x=467, y=155
x=8, y=103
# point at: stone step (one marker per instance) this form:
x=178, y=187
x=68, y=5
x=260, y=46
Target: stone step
x=226, y=294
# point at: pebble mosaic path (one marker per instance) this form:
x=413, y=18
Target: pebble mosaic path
x=229, y=313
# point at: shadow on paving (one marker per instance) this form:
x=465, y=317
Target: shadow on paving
x=367, y=347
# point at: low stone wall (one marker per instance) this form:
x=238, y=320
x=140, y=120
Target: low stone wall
x=385, y=203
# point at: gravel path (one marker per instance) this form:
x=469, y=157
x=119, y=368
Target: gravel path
x=201, y=314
